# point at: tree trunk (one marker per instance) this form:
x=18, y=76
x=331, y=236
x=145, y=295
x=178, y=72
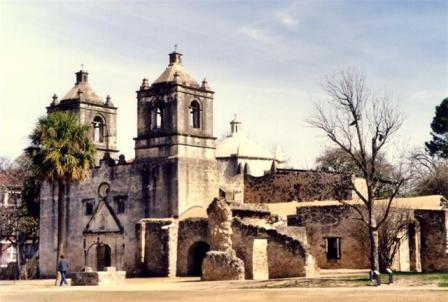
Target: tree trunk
x=374, y=242
x=61, y=222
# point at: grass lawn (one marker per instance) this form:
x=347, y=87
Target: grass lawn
x=441, y=279
x=357, y=280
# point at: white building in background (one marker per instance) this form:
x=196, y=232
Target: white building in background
x=238, y=151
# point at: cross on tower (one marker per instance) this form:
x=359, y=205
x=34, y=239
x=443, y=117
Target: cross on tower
x=175, y=47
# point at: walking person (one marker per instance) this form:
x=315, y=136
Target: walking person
x=63, y=267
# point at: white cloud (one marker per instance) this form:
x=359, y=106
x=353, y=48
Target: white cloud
x=259, y=35
x=286, y=18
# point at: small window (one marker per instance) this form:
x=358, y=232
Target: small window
x=120, y=203
x=98, y=130
x=195, y=115
x=333, y=246
x=88, y=206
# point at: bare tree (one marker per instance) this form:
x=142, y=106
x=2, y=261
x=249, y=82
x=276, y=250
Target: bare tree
x=392, y=233
x=361, y=123
x=429, y=174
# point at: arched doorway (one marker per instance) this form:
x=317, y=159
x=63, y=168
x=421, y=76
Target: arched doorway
x=196, y=255
x=103, y=257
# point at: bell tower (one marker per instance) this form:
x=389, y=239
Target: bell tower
x=175, y=147
x=92, y=110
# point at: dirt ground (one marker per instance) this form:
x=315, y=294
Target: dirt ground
x=191, y=289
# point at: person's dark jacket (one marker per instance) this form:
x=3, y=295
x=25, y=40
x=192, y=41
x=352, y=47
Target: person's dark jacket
x=63, y=265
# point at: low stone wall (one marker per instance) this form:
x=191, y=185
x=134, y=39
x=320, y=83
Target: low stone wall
x=434, y=239
x=286, y=185
x=109, y=277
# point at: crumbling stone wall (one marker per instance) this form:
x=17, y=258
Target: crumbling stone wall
x=300, y=185
x=159, y=246
x=221, y=262
x=434, y=239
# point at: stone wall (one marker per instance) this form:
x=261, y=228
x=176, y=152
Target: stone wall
x=434, y=239
x=338, y=221
x=424, y=246
x=300, y=185
x=160, y=247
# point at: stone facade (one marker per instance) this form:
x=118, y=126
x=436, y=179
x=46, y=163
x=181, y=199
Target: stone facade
x=111, y=227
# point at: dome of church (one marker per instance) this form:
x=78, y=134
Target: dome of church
x=176, y=72
x=237, y=144
x=82, y=90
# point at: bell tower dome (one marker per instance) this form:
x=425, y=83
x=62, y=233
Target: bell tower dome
x=92, y=110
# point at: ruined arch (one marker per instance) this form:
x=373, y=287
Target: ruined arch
x=196, y=254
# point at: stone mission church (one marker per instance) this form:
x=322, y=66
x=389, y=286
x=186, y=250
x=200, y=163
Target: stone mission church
x=147, y=216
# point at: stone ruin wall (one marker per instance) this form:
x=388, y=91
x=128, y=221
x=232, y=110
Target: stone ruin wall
x=287, y=185
x=287, y=254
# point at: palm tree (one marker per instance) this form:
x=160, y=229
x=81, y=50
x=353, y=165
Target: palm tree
x=61, y=152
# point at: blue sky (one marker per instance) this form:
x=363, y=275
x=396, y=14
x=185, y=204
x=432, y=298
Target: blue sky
x=266, y=60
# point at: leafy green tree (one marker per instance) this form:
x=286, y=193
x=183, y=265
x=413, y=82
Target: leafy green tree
x=438, y=145
x=61, y=152
x=18, y=224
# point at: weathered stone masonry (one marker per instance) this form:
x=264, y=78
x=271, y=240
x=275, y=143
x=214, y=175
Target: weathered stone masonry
x=300, y=185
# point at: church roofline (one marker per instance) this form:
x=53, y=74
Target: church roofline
x=77, y=102
x=155, y=86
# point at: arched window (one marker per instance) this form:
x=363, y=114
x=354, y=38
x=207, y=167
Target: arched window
x=98, y=129
x=195, y=115
x=158, y=116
